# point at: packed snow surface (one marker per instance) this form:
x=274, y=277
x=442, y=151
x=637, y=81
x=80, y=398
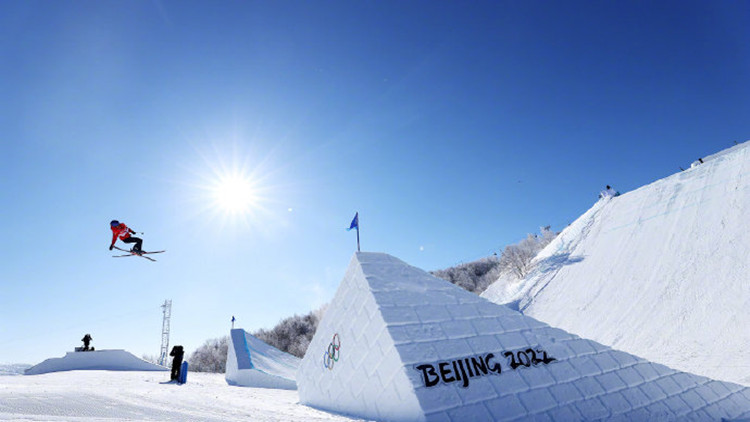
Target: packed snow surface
x=661, y=272
x=254, y=363
x=92, y=396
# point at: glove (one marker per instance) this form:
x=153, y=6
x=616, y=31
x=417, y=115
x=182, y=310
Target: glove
x=110, y=247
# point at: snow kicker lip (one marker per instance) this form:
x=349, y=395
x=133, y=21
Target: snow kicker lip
x=254, y=363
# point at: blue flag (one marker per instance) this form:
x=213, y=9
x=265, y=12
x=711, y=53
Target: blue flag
x=355, y=222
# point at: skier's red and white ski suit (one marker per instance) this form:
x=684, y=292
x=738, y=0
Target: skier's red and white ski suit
x=122, y=231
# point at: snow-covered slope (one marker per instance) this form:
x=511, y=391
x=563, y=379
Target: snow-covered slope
x=662, y=272
x=111, y=360
x=253, y=363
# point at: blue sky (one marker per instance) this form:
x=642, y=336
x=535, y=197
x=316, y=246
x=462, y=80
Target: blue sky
x=454, y=128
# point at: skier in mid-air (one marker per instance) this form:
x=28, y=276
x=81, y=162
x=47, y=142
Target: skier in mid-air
x=123, y=232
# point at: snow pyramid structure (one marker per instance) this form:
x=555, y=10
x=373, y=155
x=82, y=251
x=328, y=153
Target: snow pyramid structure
x=253, y=363
x=110, y=360
x=662, y=272
x=397, y=344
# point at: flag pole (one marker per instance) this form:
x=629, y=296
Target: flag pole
x=355, y=225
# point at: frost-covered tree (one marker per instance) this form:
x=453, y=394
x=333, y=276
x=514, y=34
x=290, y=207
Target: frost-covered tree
x=211, y=356
x=475, y=276
x=150, y=358
x=293, y=334
x=547, y=236
x=518, y=258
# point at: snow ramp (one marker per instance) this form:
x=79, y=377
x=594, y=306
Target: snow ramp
x=253, y=363
x=398, y=344
x=109, y=360
x=662, y=272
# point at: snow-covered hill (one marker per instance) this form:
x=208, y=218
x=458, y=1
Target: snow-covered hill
x=661, y=272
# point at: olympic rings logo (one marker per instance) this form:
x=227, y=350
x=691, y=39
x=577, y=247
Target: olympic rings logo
x=331, y=355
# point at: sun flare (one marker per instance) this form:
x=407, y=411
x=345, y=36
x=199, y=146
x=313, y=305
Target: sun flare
x=235, y=194
x=234, y=189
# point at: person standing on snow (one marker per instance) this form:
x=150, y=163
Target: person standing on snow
x=123, y=232
x=86, y=341
x=608, y=193
x=178, y=352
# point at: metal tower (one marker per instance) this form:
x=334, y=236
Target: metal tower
x=167, y=309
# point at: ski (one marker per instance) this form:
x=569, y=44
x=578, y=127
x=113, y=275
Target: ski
x=131, y=253
x=134, y=254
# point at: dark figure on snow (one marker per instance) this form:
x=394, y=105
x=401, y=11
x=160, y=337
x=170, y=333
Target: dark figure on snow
x=608, y=193
x=123, y=232
x=177, y=352
x=86, y=341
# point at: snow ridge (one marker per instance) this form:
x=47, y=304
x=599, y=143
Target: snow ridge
x=660, y=272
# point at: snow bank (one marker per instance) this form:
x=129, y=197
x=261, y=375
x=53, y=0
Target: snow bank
x=111, y=360
x=661, y=272
x=398, y=344
x=253, y=363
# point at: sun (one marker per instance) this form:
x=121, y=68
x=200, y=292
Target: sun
x=235, y=189
x=235, y=194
